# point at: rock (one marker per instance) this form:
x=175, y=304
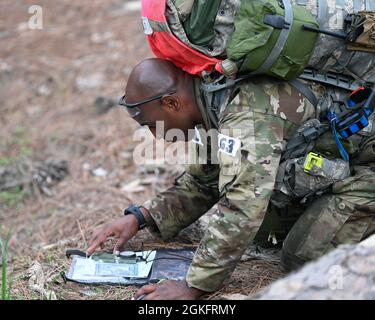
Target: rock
x=101, y=37
x=346, y=273
x=37, y=281
x=127, y=155
x=33, y=110
x=126, y=71
x=149, y=181
x=49, y=173
x=88, y=293
x=151, y=169
x=131, y=6
x=133, y=187
x=255, y=252
x=5, y=67
x=44, y=90
x=100, y=172
x=23, y=26
x=58, y=244
x=90, y=81
x=125, y=8
x=86, y=166
x=103, y=105
x=235, y=296
x=27, y=174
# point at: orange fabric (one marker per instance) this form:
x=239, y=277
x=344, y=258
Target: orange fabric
x=166, y=46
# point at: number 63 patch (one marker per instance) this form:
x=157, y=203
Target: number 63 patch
x=228, y=145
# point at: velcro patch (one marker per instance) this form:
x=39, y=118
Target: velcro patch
x=228, y=145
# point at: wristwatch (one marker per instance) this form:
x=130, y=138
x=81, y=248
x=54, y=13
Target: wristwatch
x=135, y=210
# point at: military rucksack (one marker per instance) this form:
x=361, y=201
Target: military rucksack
x=314, y=39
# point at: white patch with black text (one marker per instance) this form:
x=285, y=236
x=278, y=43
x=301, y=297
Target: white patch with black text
x=228, y=145
x=197, y=138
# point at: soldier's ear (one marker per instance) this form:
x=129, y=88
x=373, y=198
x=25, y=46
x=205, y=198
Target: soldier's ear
x=170, y=103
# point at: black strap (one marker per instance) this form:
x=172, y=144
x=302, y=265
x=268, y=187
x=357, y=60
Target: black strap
x=303, y=141
x=135, y=210
x=305, y=91
x=75, y=252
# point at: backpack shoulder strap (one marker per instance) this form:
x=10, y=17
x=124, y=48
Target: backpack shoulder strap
x=322, y=11
x=280, y=43
x=305, y=91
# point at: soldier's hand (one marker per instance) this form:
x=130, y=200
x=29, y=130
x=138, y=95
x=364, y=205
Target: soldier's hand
x=124, y=229
x=168, y=290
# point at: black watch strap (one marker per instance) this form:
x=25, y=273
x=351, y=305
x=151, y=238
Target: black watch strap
x=135, y=210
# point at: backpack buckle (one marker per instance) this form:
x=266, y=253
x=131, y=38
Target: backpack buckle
x=276, y=21
x=312, y=159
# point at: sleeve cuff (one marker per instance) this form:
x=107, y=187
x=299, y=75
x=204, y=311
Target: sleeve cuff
x=206, y=279
x=160, y=229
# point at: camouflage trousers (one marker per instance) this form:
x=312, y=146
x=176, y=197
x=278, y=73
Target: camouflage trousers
x=346, y=215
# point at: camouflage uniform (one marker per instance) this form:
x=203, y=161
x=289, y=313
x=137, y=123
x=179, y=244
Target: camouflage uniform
x=345, y=215
x=268, y=113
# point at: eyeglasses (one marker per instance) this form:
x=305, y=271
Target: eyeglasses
x=132, y=108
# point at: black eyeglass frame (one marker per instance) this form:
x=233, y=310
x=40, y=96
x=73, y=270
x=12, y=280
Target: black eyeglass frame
x=122, y=101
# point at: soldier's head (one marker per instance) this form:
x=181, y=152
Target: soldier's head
x=158, y=91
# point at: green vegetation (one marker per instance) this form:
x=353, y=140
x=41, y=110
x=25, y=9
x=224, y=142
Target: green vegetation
x=12, y=197
x=19, y=144
x=21, y=140
x=5, y=288
x=17, y=147
x=4, y=161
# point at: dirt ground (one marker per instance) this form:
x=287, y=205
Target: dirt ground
x=49, y=82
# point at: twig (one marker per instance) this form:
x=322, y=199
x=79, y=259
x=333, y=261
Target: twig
x=82, y=233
